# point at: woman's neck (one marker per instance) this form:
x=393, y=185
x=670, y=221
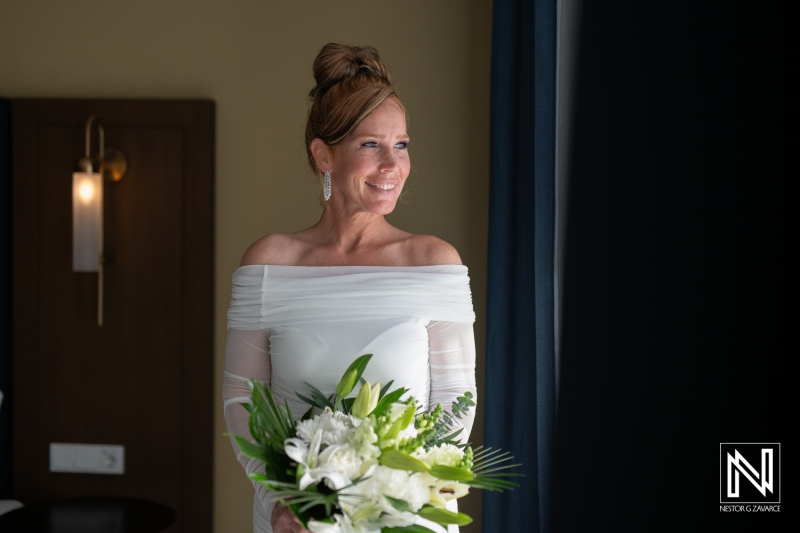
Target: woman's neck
x=351, y=231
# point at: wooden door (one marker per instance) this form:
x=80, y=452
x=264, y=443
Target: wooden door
x=143, y=379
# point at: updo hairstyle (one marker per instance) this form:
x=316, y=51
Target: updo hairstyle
x=351, y=82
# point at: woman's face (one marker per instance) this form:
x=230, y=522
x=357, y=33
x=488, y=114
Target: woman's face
x=369, y=168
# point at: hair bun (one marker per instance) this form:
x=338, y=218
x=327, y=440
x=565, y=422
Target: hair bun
x=336, y=63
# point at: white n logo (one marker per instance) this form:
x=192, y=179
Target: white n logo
x=735, y=465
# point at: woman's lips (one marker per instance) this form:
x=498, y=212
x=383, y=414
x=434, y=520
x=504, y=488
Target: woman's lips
x=388, y=186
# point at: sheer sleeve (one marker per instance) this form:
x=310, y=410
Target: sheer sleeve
x=452, y=361
x=246, y=357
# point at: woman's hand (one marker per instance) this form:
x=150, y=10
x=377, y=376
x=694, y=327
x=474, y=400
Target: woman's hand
x=283, y=521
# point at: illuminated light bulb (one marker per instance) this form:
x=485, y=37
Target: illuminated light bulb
x=86, y=191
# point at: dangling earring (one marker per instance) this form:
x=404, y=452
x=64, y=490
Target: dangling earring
x=326, y=185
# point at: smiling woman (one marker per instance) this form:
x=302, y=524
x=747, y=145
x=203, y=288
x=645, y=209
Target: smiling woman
x=357, y=146
x=305, y=304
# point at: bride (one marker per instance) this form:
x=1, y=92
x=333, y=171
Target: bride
x=306, y=304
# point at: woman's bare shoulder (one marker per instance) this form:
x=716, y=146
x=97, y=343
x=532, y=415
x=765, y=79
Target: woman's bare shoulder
x=430, y=250
x=273, y=249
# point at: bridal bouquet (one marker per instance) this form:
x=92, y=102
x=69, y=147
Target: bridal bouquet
x=369, y=464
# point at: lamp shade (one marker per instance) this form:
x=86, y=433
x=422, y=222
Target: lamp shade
x=87, y=221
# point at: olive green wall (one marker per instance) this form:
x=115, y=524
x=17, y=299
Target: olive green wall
x=253, y=58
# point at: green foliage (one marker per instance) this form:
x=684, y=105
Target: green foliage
x=270, y=425
x=337, y=400
x=452, y=473
x=444, y=424
x=400, y=505
x=490, y=474
x=462, y=404
x=406, y=529
x=351, y=376
x=387, y=399
x=444, y=517
x=402, y=461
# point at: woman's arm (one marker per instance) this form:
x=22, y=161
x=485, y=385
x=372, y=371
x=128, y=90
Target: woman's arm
x=451, y=348
x=246, y=357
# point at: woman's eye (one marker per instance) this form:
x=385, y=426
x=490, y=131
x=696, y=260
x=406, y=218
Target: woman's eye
x=370, y=144
x=402, y=145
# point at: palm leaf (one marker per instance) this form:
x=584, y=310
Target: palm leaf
x=309, y=401
x=385, y=388
x=490, y=472
x=319, y=397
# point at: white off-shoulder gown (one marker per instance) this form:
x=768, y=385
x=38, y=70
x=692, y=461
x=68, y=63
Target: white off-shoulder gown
x=288, y=325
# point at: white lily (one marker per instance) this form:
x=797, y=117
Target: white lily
x=366, y=400
x=443, y=491
x=314, y=466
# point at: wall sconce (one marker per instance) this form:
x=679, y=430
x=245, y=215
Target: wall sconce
x=87, y=206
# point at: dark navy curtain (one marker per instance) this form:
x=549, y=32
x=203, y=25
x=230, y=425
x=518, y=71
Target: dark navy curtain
x=520, y=352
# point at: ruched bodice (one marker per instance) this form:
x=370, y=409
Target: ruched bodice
x=265, y=296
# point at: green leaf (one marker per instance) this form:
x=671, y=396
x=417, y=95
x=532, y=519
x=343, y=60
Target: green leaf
x=406, y=529
x=395, y=429
x=269, y=423
x=309, y=401
x=400, y=505
x=408, y=416
x=388, y=400
x=451, y=473
x=444, y=517
x=352, y=375
x=249, y=449
x=385, y=388
x=308, y=414
x=347, y=405
x=402, y=461
x=319, y=398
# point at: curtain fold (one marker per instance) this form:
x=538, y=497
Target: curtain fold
x=520, y=355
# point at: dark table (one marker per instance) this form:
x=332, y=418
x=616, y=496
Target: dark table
x=89, y=515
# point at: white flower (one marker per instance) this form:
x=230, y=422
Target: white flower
x=443, y=491
x=335, y=426
x=366, y=400
x=363, y=439
x=443, y=454
x=367, y=501
x=314, y=470
x=342, y=459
